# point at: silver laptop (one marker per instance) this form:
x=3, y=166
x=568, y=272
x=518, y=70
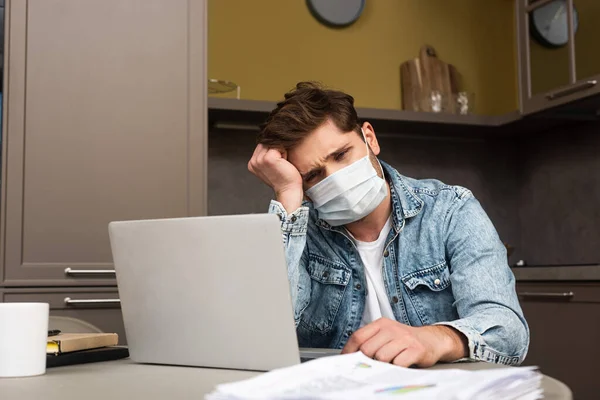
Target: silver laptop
x=207, y=291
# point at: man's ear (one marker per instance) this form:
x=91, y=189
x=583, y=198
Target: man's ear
x=370, y=137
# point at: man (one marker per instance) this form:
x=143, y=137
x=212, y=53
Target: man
x=407, y=271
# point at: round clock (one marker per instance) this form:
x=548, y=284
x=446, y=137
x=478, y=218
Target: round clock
x=549, y=26
x=336, y=13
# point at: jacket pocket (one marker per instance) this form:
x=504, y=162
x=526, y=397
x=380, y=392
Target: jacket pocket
x=430, y=292
x=436, y=278
x=328, y=284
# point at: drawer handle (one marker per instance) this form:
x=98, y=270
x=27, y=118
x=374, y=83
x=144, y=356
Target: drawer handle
x=76, y=272
x=548, y=295
x=75, y=302
x=571, y=90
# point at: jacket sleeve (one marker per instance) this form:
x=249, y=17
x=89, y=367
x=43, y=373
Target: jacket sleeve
x=483, y=285
x=293, y=228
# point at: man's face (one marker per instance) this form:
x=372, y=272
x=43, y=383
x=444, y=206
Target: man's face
x=327, y=150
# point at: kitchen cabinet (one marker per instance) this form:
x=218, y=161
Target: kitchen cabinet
x=105, y=119
x=587, y=61
x=565, y=326
x=96, y=306
x=555, y=76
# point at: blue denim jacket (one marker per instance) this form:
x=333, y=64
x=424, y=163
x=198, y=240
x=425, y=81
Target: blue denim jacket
x=443, y=264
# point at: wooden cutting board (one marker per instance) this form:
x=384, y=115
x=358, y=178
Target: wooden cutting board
x=425, y=74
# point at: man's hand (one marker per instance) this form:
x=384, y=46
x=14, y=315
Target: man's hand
x=272, y=167
x=390, y=341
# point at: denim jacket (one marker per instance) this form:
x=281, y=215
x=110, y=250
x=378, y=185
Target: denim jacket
x=443, y=264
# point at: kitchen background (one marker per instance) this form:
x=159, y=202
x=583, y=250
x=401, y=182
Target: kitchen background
x=541, y=190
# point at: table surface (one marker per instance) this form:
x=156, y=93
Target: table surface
x=125, y=379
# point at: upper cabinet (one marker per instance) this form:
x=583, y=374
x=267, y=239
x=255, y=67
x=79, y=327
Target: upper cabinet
x=105, y=118
x=587, y=58
x=558, y=63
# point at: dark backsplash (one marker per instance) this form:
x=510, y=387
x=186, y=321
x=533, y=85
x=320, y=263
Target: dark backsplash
x=559, y=202
x=232, y=189
x=542, y=194
x=486, y=168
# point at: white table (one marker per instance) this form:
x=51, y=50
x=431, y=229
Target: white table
x=126, y=380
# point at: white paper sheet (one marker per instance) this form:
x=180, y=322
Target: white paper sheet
x=355, y=376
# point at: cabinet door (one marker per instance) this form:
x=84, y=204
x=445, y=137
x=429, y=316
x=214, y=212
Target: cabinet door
x=106, y=120
x=565, y=327
x=552, y=76
x=97, y=306
x=587, y=62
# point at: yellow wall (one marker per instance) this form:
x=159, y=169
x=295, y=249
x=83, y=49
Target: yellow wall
x=266, y=46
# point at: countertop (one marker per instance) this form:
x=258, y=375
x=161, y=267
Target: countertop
x=126, y=380
x=583, y=273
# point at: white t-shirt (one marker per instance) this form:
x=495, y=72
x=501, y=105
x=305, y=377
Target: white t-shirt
x=371, y=253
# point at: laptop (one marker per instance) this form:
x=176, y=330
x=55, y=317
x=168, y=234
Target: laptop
x=207, y=292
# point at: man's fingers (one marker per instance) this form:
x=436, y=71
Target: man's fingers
x=271, y=157
x=408, y=357
x=389, y=351
x=376, y=342
x=260, y=156
x=259, y=149
x=262, y=149
x=257, y=161
x=255, y=168
x=258, y=152
x=359, y=337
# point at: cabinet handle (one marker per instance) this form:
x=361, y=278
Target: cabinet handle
x=75, y=302
x=76, y=272
x=572, y=89
x=548, y=295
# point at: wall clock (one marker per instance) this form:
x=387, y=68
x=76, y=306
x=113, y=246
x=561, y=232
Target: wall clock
x=336, y=13
x=548, y=24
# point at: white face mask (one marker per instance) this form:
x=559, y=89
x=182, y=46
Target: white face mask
x=349, y=194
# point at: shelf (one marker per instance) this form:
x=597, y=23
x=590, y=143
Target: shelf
x=226, y=113
x=413, y=122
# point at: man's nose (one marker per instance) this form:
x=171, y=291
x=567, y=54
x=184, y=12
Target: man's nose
x=332, y=168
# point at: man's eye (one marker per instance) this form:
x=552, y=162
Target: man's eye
x=340, y=156
x=310, y=177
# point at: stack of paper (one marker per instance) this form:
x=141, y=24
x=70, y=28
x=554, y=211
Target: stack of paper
x=355, y=376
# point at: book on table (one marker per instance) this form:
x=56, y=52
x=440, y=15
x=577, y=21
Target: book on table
x=70, y=342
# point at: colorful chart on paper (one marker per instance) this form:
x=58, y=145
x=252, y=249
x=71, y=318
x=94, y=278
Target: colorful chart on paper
x=403, y=389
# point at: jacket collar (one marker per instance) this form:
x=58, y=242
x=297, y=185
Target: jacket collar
x=405, y=204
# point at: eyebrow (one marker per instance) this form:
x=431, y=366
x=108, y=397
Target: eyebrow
x=331, y=155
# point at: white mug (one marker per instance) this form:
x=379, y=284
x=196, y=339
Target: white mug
x=23, y=338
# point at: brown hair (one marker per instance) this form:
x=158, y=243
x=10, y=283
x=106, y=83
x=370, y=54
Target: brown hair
x=304, y=109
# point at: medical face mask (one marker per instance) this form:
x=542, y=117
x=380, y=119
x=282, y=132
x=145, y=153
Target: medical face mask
x=349, y=194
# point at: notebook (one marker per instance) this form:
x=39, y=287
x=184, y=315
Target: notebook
x=87, y=356
x=69, y=342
